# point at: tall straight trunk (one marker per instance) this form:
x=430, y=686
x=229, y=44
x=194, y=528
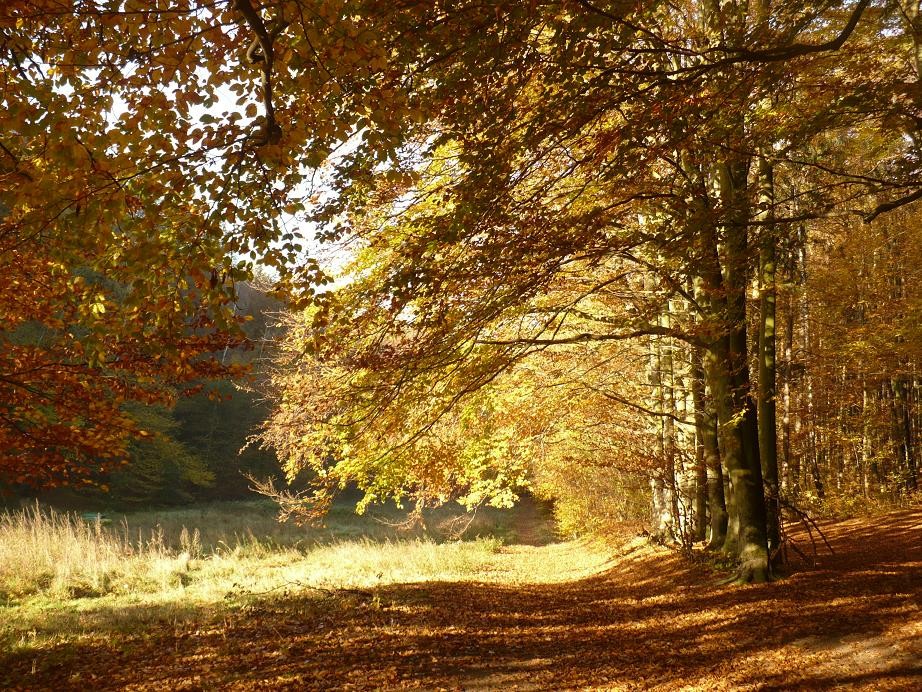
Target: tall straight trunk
x=843, y=434
x=818, y=459
x=722, y=267
x=712, y=482
x=865, y=438
x=690, y=483
x=722, y=270
x=700, y=529
x=912, y=482
x=661, y=509
x=902, y=428
x=669, y=476
x=809, y=421
x=747, y=535
x=723, y=282
x=791, y=463
x=768, y=433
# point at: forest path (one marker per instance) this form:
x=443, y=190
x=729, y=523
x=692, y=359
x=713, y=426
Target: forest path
x=533, y=524
x=651, y=621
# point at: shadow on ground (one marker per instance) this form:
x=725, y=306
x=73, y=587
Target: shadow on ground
x=852, y=621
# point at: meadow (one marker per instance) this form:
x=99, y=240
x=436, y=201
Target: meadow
x=225, y=597
x=65, y=576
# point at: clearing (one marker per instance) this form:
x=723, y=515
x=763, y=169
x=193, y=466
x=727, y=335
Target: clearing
x=646, y=619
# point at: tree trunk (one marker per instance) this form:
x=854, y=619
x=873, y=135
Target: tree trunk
x=668, y=403
x=902, y=429
x=791, y=461
x=712, y=483
x=723, y=286
x=661, y=507
x=747, y=534
x=768, y=435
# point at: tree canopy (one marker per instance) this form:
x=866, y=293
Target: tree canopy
x=565, y=201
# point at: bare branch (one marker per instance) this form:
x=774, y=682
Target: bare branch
x=586, y=337
x=796, y=50
x=893, y=204
x=264, y=42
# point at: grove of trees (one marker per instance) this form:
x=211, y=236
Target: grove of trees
x=628, y=255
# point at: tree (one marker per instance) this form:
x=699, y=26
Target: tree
x=119, y=220
x=162, y=470
x=577, y=145
x=517, y=179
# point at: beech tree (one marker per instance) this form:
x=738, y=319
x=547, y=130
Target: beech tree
x=582, y=144
x=517, y=182
x=133, y=195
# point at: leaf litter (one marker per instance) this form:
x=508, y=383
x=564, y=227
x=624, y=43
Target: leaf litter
x=652, y=620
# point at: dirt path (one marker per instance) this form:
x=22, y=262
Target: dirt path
x=532, y=524
x=651, y=622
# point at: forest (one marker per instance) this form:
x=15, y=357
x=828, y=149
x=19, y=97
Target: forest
x=323, y=317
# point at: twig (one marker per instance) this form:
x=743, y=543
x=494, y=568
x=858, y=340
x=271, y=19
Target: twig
x=809, y=524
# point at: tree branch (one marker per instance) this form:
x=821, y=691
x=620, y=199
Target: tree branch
x=264, y=41
x=638, y=407
x=796, y=50
x=893, y=204
x=585, y=337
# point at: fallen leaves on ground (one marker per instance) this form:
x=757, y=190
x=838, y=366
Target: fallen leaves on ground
x=652, y=621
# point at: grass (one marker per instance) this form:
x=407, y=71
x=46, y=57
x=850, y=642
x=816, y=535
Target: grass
x=61, y=555
x=63, y=578
x=652, y=620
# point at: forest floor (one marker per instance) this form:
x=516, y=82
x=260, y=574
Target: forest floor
x=649, y=620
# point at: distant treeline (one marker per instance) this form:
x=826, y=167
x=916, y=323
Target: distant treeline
x=197, y=450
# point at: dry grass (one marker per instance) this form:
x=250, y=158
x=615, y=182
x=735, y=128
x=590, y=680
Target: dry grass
x=64, y=578
x=651, y=620
x=46, y=552
x=61, y=555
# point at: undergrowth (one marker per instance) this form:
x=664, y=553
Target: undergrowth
x=852, y=502
x=62, y=555
x=62, y=577
x=203, y=553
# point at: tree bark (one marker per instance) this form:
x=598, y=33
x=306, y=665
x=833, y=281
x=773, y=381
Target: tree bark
x=768, y=432
x=747, y=534
x=723, y=287
x=712, y=482
x=661, y=508
x=902, y=429
x=791, y=462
